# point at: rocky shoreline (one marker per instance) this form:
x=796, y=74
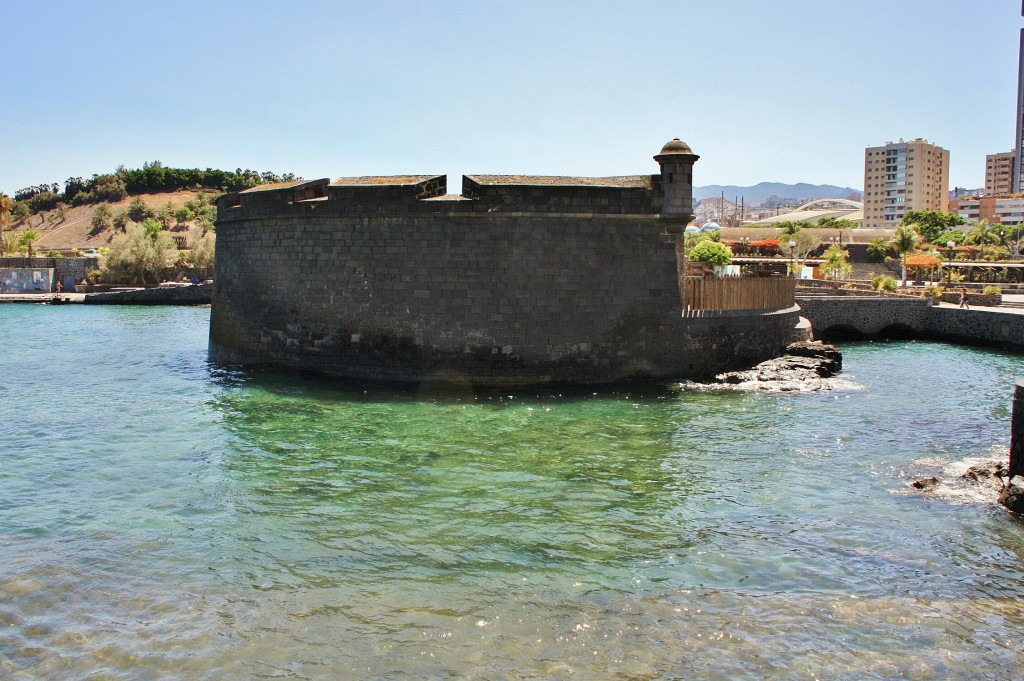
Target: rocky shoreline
x=807, y=366
x=991, y=479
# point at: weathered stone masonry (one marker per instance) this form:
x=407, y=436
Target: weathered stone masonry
x=520, y=280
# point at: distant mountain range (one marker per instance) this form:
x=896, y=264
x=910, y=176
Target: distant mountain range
x=759, y=193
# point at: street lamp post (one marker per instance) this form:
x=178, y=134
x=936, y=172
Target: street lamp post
x=949, y=270
x=792, y=258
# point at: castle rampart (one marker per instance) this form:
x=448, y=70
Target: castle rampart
x=519, y=280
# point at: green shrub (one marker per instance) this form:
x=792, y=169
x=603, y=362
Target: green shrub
x=877, y=250
x=954, y=235
x=140, y=255
x=54, y=254
x=883, y=282
x=935, y=292
x=992, y=290
x=712, y=252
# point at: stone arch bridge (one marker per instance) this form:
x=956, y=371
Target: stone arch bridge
x=866, y=317
x=859, y=317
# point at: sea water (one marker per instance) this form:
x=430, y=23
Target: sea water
x=162, y=517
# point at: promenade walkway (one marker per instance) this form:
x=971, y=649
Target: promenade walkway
x=41, y=298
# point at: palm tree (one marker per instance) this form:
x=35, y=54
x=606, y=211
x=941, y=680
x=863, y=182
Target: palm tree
x=27, y=238
x=985, y=233
x=904, y=239
x=8, y=243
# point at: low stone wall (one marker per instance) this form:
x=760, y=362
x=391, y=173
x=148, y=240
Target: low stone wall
x=972, y=298
x=200, y=294
x=976, y=327
x=67, y=271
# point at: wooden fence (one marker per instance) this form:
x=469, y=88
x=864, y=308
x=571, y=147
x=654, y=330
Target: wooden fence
x=738, y=293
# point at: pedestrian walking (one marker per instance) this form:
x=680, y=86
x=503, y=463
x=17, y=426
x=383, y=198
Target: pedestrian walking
x=963, y=300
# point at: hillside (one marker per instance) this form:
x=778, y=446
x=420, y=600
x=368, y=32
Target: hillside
x=759, y=193
x=76, y=231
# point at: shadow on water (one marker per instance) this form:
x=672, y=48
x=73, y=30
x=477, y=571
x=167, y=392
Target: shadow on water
x=400, y=479
x=446, y=390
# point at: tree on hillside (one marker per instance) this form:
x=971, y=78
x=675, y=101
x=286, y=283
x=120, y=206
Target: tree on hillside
x=930, y=223
x=6, y=207
x=138, y=210
x=121, y=220
x=202, y=254
x=139, y=256
x=27, y=238
x=166, y=215
x=102, y=218
x=904, y=239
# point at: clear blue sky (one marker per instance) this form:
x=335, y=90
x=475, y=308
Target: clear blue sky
x=788, y=90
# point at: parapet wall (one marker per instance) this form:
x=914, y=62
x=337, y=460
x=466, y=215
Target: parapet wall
x=425, y=195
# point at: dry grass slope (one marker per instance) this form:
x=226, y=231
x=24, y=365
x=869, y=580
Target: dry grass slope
x=76, y=231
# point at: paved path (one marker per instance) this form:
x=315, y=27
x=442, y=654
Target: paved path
x=41, y=297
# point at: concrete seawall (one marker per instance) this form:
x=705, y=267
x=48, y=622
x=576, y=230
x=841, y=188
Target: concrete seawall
x=200, y=294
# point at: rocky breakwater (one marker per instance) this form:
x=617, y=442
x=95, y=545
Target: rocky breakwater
x=806, y=366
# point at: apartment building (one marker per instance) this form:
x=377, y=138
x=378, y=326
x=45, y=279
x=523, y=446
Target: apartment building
x=999, y=174
x=903, y=176
x=1003, y=210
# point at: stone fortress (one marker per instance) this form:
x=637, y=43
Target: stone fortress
x=519, y=280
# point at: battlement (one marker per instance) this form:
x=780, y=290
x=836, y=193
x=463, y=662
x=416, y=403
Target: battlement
x=404, y=195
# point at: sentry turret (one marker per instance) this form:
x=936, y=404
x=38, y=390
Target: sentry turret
x=676, y=160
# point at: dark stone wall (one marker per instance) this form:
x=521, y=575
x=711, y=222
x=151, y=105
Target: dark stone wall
x=1017, y=432
x=1003, y=330
x=486, y=297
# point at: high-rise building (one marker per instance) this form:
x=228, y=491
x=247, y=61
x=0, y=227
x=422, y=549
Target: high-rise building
x=999, y=173
x=1018, y=175
x=903, y=176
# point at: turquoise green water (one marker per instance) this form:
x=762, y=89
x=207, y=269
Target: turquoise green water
x=162, y=518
